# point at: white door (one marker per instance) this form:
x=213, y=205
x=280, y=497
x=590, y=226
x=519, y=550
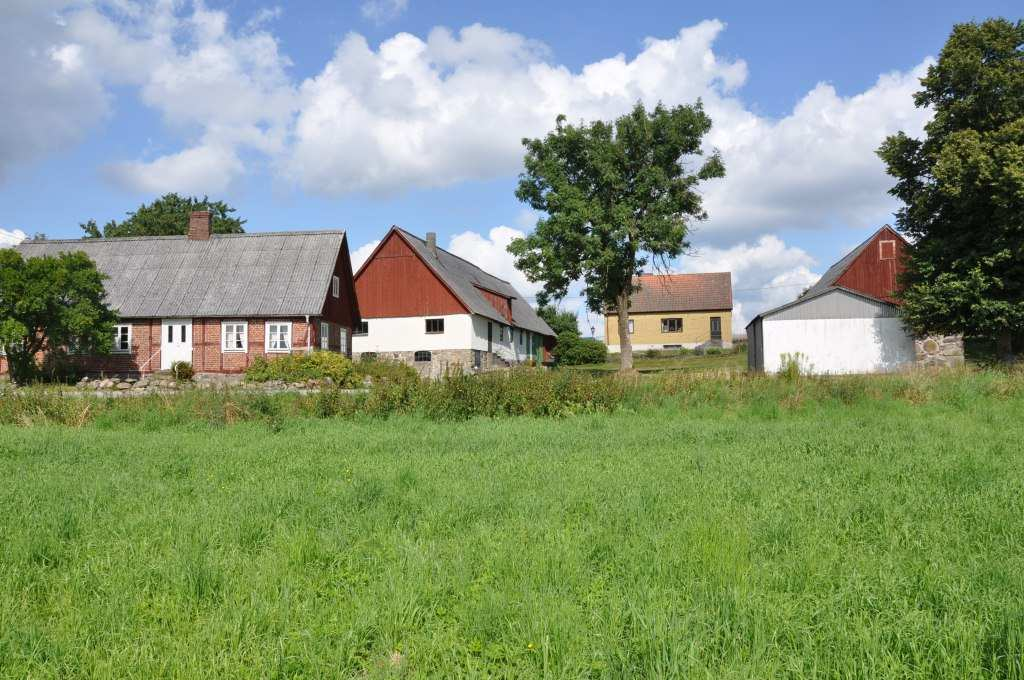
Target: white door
x=176, y=342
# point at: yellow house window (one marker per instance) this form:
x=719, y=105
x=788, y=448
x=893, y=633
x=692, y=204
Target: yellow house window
x=629, y=326
x=673, y=325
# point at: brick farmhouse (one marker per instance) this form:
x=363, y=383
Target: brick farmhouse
x=217, y=300
x=424, y=306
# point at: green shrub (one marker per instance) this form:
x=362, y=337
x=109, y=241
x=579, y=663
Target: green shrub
x=572, y=350
x=382, y=369
x=303, y=367
x=651, y=354
x=182, y=371
x=713, y=351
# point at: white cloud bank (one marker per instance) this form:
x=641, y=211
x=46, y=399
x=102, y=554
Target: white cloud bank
x=11, y=238
x=423, y=111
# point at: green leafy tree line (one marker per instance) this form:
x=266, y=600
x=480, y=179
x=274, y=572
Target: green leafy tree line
x=615, y=197
x=167, y=216
x=962, y=188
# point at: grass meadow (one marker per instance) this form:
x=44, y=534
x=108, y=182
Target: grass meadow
x=741, y=528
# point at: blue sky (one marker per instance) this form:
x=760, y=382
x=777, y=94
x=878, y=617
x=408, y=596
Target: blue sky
x=363, y=114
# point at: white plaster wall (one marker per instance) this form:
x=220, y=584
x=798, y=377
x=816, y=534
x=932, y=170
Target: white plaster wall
x=409, y=334
x=839, y=345
x=461, y=331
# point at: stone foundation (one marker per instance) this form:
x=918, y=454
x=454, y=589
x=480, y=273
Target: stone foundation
x=945, y=351
x=442, y=361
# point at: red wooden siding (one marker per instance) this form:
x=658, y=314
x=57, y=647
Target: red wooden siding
x=396, y=282
x=873, y=275
x=499, y=302
x=342, y=310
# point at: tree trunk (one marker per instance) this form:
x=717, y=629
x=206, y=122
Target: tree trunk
x=625, y=343
x=1004, y=346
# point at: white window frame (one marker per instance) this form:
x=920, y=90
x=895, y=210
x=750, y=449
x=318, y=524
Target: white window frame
x=356, y=332
x=426, y=327
x=881, y=249
x=629, y=326
x=325, y=335
x=336, y=286
x=117, y=339
x=224, y=339
x=266, y=339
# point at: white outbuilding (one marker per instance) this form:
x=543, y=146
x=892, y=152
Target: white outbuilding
x=849, y=321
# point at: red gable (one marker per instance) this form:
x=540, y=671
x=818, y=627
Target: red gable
x=876, y=269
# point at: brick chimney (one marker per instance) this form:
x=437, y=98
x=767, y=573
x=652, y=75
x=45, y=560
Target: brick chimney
x=432, y=242
x=199, y=225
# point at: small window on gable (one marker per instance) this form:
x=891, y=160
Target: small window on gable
x=362, y=328
x=887, y=250
x=422, y=355
x=435, y=325
x=335, y=286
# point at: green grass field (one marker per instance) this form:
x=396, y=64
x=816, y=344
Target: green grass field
x=671, y=361
x=753, y=538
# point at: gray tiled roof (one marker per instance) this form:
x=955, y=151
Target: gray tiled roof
x=245, y=275
x=464, y=277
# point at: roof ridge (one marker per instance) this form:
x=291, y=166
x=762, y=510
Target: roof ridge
x=183, y=237
x=457, y=257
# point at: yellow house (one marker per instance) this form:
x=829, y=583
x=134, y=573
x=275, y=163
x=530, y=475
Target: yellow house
x=672, y=311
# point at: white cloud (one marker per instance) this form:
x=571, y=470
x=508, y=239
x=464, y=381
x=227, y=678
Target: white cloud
x=490, y=253
x=765, y=274
x=424, y=111
x=224, y=92
x=362, y=253
x=381, y=11
x=11, y=238
x=50, y=100
x=199, y=170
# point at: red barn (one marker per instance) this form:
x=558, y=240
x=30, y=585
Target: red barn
x=849, y=321
x=218, y=300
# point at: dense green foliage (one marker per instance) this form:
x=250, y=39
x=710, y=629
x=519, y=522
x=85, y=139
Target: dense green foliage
x=302, y=367
x=963, y=187
x=47, y=305
x=168, y=216
x=572, y=350
x=720, y=532
x=615, y=196
x=561, y=321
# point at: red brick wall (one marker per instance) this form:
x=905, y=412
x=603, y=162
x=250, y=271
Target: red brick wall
x=207, y=356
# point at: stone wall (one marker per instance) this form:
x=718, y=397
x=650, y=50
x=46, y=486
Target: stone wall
x=442, y=361
x=946, y=351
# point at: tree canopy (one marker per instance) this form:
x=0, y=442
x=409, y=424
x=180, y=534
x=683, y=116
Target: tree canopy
x=615, y=197
x=48, y=304
x=167, y=216
x=962, y=187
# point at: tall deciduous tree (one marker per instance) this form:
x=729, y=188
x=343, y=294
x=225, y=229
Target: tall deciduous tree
x=167, y=216
x=616, y=195
x=963, y=188
x=48, y=304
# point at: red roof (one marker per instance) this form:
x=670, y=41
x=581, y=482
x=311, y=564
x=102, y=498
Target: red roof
x=682, y=292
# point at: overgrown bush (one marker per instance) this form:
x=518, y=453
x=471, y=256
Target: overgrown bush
x=182, y=371
x=303, y=367
x=383, y=370
x=572, y=350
